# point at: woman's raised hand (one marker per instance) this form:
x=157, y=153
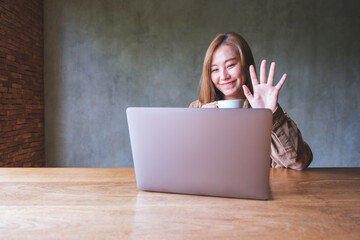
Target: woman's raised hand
x=265, y=93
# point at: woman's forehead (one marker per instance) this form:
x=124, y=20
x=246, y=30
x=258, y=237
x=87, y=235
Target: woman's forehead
x=223, y=53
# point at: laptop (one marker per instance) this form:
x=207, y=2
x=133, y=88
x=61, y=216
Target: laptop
x=212, y=152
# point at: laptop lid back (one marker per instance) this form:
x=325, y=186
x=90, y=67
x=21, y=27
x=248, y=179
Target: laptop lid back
x=216, y=152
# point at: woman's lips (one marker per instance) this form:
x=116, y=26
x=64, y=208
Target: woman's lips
x=228, y=83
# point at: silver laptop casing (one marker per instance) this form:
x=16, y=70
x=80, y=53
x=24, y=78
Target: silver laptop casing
x=214, y=152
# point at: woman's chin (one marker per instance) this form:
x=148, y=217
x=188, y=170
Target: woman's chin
x=231, y=95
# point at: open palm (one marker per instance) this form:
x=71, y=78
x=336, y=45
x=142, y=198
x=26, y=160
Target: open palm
x=265, y=93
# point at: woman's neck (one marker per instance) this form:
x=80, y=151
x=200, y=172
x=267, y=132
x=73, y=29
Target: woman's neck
x=237, y=96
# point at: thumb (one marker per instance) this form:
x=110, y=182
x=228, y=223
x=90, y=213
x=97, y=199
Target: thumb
x=247, y=93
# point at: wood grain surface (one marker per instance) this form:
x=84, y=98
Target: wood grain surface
x=91, y=203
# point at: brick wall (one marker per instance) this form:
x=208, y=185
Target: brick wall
x=21, y=84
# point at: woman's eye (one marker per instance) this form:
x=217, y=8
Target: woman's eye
x=214, y=70
x=231, y=65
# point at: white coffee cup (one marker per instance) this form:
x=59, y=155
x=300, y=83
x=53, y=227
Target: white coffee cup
x=234, y=103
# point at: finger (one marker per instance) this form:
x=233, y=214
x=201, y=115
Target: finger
x=271, y=74
x=253, y=76
x=247, y=93
x=281, y=82
x=263, y=71
x=209, y=105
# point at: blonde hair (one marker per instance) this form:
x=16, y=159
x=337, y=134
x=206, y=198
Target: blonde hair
x=207, y=91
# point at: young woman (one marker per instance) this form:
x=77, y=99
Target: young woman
x=229, y=73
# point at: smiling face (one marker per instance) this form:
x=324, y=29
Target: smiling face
x=226, y=72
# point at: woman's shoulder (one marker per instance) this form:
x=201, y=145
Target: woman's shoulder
x=195, y=104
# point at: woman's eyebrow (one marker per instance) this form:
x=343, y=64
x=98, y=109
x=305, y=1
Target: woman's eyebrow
x=230, y=59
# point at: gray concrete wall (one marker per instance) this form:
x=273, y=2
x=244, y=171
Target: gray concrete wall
x=104, y=56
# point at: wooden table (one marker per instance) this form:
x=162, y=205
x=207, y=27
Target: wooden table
x=88, y=203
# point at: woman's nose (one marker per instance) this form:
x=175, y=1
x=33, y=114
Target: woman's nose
x=224, y=74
